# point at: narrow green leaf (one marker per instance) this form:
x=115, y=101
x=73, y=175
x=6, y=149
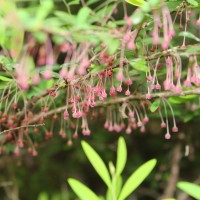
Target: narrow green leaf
x=176, y=100
x=137, y=178
x=190, y=188
x=136, y=2
x=169, y=199
x=43, y=196
x=74, y=2
x=66, y=17
x=6, y=79
x=121, y=156
x=118, y=185
x=90, y=2
x=97, y=163
x=154, y=106
x=82, y=191
x=193, y=2
x=189, y=35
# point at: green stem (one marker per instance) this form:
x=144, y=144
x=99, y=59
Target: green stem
x=68, y=7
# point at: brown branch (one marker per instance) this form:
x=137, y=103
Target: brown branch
x=174, y=174
x=122, y=100
x=25, y=126
x=174, y=50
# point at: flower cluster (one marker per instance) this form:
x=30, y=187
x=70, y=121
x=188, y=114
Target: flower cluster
x=87, y=76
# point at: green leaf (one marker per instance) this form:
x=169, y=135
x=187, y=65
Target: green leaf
x=74, y=2
x=82, y=18
x=43, y=196
x=136, y=2
x=189, y=97
x=83, y=14
x=169, y=199
x=190, y=188
x=96, y=68
x=118, y=185
x=193, y=49
x=137, y=178
x=182, y=99
x=82, y=191
x=66, y=17
x=193, y=2
x=187, y=117
x=189, y=35
x=56, y=197
x=137, y=17
x=3, y=85
x=140, y=65
x=111, y=43
x=154, y=106
x=97, y=163
x=90, y=2
x=6, y=79
x=176, y=100
x=173, y=5
x=121, y=156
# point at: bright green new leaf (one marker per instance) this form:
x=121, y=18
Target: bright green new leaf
x=96, y=162
x=136, y=2
x=193, y=2
x=137, y=178
x=83, y=15
x=154, y=106
x=6, y=79
x=121, y=156
x=169, y=199
x=82, y=191
x=190, y=188
x=43, y=196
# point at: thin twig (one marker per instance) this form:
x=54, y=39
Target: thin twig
x=19, y=127
x=122, y=100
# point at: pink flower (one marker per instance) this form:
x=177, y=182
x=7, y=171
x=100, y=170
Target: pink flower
x=127, y=93
x=47, y=74
x=167, y=136
x=198, y=22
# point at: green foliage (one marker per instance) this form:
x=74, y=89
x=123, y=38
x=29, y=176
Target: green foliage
x=121, y=156
x=193, y=2
x=96, y=162
x=136, y=2
x=137, y=178
x=154, y=106
x=82, y=191
x=189, y=35
x=43, y=196
x=6, y=79
x=115, y=189
x=190, y=188
x=140, y=65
